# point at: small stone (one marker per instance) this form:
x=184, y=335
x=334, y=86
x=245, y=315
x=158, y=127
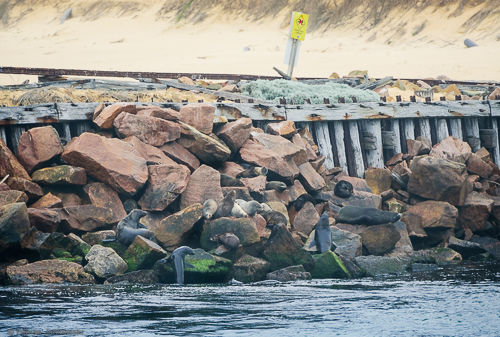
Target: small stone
x=60, y=175
x=288, y=274
x=48, y=201
x=106, y=117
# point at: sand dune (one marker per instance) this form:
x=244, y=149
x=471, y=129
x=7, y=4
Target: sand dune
x=393, y=37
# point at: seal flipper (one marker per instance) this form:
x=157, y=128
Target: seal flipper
x=179, y=269
x=312, y=244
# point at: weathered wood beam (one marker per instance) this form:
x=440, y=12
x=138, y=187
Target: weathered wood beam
x=425, y=128
x=374, y=153
x=340, y=144
x=472, y=133
x=441, y=129
x=456, y=128
x=359, y=165
x=324, y=143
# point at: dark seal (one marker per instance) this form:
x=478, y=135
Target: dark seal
x=177, y=258
x=322, y=234
x=343, y=189
x=370, y=216
x=129, y=227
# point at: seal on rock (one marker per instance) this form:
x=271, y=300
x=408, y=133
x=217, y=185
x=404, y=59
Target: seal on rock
x=274, y=219
x=129, y=227
x=209, y=208
x=249, y=207
x=370, y=216
x=252, y=171
x=177, y=258
x=229, y=181
x=226, y=205
x=238, y=212
x=229, y=240
x=276, y=185
x=343, y=189
x=322, y=234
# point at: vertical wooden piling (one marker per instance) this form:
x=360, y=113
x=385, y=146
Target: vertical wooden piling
x=324, y=143
x=397, y=135
x=375, y=155
x=15, y=133
x=496, y=149
x=359, y=166
x=472, y=133
x=425, y=128
x=3, y=135
x=66, y=132
x=441, y=129
x=456, y=128
x=340, y=145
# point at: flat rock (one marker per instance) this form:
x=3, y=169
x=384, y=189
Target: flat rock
x=250, y=269
x=150, y=130
x=306, y=219
x=152, y=155
x=106, y=117
x=199, y=116
x=48, y=271
x=203, y=184
x=236, y=133
x=231, y=169
x=14, y=224
x=38, y=146
x=180, y=155
x=60, y=175
x=10, y=197
x=104, y=262
x=101, y=195
x=45, y=219
x=9, y=163
x=255, y=184
x=111, y=161
x=465, y=248
x=163, y=113
x=32, y=189
x=208, y=149
x=48, y=201
x=288, y=274
x=87, y=218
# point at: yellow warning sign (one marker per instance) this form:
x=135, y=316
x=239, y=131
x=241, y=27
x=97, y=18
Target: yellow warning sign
x=299, y=25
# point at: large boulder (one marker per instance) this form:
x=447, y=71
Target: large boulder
x=49, y=271
x=151, y=154
x=438, y=179
x=438, y=255
x=105, y=117
x=475, y=211
x=491, y=245
x=101, y=195
x=38, y=146
x=111, y=161
x=306, y=219
x=104, y=262
x=45, y=219
x=243, y=228
x=311, y=179
x=209, y=149
x=179, y=154
x=380, y=239
x=150, y=130
x=156, y=111
x=173, y=230
x=142, y=254
x=199, y=116
x=288, y=274
x=86, y=218
x=476, y=165
x=236, y=133
x=346, y=243
x=60, y=175
x=250, y=269
x=203, y=184
x=9, y=163
x=430, y=215
x=379, y=179
x=282, y=146
x=14, y=225
x=404, y=246
x=452, y=149
x=380, y=265
x=329, y=265
x=166, y=183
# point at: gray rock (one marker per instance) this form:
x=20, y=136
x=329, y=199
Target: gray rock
x=380, y=239
x=250, y=269
x=104, y=262
x=146, y=276
x=379, y=265
x=347, y=244
x=292, y=273
x=14, y=224
x=465, y=248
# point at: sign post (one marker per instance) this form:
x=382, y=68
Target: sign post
x=298, y=27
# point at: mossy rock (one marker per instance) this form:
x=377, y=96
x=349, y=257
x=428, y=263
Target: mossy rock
x=142, y=254
x=76, y=259
x=60, y=175
x=329, y=265
x=116, y=246
x=206, y=269
x=61, y=253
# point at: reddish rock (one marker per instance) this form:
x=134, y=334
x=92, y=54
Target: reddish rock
x=380, y=239
x=163, y=113
x=236, y=133
x=112, y=161
x=37, y=146
x=273, y=195
x=416, y=148
x=106, y=117
x=483, y=154
x=429, y=215
x=295, y=191
x=60, y=175
x=48, y=201
x=209, y=149
x=494, y=94
x=310, y=178
x=204, y=184
x=260, y=223
x=255, y=153
x=48, y=271
x=98, y=110
x=101, y=195
x=255, y=184
x=231, y=169
x=14, y=225
x=68, y=199
x=475, y=211
x=10, y=197
x=298, y=140
x=86, y=218
x=358, y=184
x=306, y=219
x=438, y=179
x=282, y=146
x=179, y=154
x=9, y=163
x=285, y=129
x=452, y=149
x=476, y=165
x=166, y=183
x=32, y=190
x=394, y=160
x=318, y=165
x=199, y=116
x=45, y=219
x=378, y=179
x=150, y=130
x=4, y=187
x=151, y=154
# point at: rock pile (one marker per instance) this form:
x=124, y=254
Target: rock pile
x=204, y=185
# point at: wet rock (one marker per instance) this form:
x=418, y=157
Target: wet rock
x=9, y=163
x=48, y=271
x=179, y=154
x=306, y=219
x=491, y=245
x=94, y=238
x=204, y=184
x=328, y=265
x=281, y=250
x=284, y=129
x=475, y=165
x=380, y=265
x=288, y=274
x=310, y=178
x=115, y=162
x=475, y=211
x=404, y=245
x=243, y=228
x=378, y=179
x=44, y=219
x=380, y=239
x=250, y=269
x=106, y=117
x=32, y=190
x=199, y=116
x=151, y=130
x=68, y=247
x=101, y=195
x=152, y=155
x=206, y=268
x=104, y=262
x=452, y=149
x=173, y=230
x=86, y=218
x=209, y=149
x=438, y=179
x=346, y=243
x=60, y=175
x=465, y=248
x=440, y=256
x=10, y=197
x=14, y=225
x=38, y=146
x=166, y=183
x=146, y=276
x=142, y=254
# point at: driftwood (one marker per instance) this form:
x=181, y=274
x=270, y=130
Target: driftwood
x=375, y=84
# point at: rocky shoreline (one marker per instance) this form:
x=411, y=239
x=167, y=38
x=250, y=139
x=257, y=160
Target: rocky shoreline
x=60, y=203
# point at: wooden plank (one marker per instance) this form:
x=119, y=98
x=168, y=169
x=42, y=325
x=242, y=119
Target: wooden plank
x=395, y=128
x=496, y=150
x=425, y=128
x=374, y=156
x=324, y=143
x=32, y=114
x=76, y=111
x=3, y=135
x=441, y=129
x=456, y=128
x=375, y=84
x=66, y=132
x=359, y=166
x=340, y=145
x=15, y=133
x=234, y=111
x=409, y=129
x=472, y=133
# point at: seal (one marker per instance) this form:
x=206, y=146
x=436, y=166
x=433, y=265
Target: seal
x=252, y=171
x=229, y=240
x=274, y=219
x=249, y=207
x=209, y=208
x=229, y=181
x=226, y=205
x=129, y=227
x=301, y=201
x=369, y=216
x=237, y=211
x=343, y=189
x=276, y=185
x=177, y=257
x=322, y=234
